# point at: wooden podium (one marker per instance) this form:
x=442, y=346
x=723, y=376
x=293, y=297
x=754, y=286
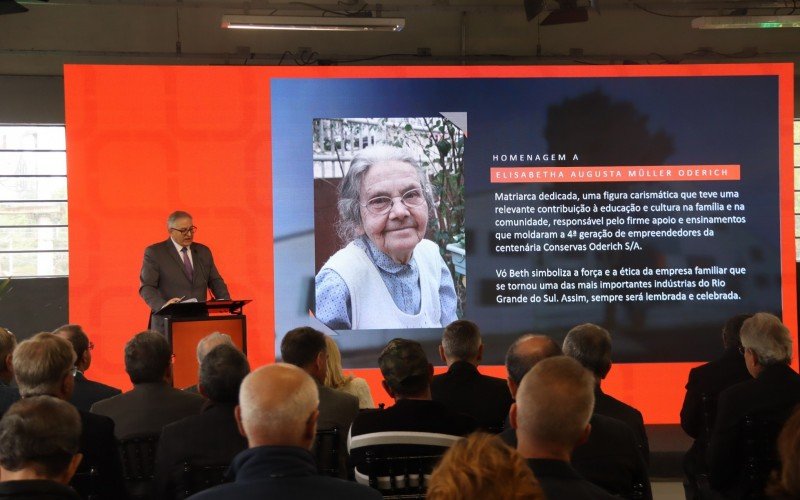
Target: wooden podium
x=185, y=323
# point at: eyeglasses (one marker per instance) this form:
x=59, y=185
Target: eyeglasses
x=381, y=205
x=90, y=346
x=742, y=349
x=190, y=229
x=74, y=370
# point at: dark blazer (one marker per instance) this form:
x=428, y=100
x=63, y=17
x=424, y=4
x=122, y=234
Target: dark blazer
x=163, y=277
x=774, y=393
x=337, y=409
x=88, y=392
x=559, y=480
x=147, y=408
x=8, y=396
x=613, y=407
x=210, y=438
x=283, y=473
x=465, y=390
x=710, y=380
x=610, y=458
x=36, y=489
x=99, y=449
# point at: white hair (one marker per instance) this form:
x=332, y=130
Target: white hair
x=768, y=337
x=212, y=339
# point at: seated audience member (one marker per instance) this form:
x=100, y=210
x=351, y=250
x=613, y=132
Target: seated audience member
x=8, y=394
x=44, y=366
x=277, y=413
x=463, y=388
x=153, y=402
x=610, y=458
x=205, y=345
x=770, y=395
x=87, y=392
x=212, y=437
x=7, y=344
x=482, y=466
x=336, y=379
x=785, y=484
x=305, y=348
x=551, y=415
x=591, y=346
x=39, y=441
x=415, y=425
x=702, y=391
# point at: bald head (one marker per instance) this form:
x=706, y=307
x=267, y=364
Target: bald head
x=278, y=407
x=525, y=352
x=554, y=404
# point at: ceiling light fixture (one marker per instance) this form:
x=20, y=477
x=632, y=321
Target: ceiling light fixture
x=744, y=22
x=310, y=23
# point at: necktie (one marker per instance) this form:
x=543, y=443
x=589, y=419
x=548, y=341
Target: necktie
x=187, y=264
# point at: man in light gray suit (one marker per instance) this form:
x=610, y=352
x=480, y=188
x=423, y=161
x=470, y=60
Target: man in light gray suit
x=305, y=347
x=178, y=269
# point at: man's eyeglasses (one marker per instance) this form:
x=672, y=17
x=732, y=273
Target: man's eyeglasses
x=90, y=346
x=190, y=229
x=381, y=205
x=742, y=349
x=74, y=370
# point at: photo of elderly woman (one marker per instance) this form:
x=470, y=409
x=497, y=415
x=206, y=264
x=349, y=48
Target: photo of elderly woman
x=380, y=270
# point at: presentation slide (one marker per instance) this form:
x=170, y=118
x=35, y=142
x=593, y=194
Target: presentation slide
x=382, y=202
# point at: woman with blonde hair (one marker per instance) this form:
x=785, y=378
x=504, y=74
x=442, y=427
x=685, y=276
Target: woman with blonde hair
x=336, y=379
x=482, y=466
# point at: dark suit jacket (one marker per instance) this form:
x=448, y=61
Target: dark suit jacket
x=464, y=390
x=710, y=380
x=99, y=449
x=774, y=393
x=559, y=480
x=337, y=409
x=147, y=408
x=609, y=459
x=613, y=407
x=88, y=392
x=8, y=396
x=210, y=438
x=36, y=489
x=162, y=276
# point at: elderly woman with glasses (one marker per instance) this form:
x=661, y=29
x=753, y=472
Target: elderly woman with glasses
x=388, y=275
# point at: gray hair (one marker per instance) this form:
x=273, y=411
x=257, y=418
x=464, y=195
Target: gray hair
x=277, y=417
x=519, y=363
x=211, y=341
x=555, y=401
x=221, y=373
x=178, y=214
x=41, y=363
x=461, y=340
x=349, y=224
x=40, y=433
x=769, y=338
x=590, y=344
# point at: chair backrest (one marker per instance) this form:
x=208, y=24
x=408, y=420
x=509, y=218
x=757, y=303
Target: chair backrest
x=400, y=477
x=759, y=445
x=708, y=404
x=197, y=478
x=326, y=451
x=138, y=464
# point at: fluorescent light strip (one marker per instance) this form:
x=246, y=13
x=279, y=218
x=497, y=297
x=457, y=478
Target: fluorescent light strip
x=309, y=23
x=743, y=22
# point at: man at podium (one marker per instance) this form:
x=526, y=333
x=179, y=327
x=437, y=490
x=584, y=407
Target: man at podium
x=178, y=269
